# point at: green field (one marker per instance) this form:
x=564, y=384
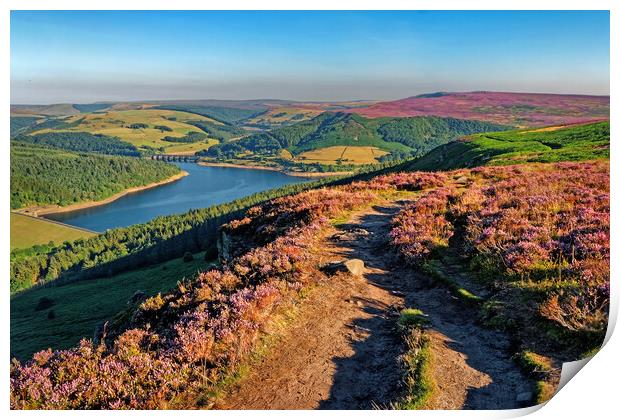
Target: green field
x=570, y=143
x=79, y=307
x=357, y=155
x=118, y=124
x=284, y=115
x=27, y=231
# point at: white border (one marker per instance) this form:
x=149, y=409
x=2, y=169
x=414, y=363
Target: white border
x=591, y=395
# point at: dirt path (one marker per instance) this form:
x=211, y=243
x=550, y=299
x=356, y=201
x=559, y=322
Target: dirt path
x=342, y=351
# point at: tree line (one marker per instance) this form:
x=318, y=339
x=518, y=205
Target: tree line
x=140, y=245
x=81, y=142
x=43, y=175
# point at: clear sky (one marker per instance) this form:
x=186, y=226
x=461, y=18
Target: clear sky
x=77, y=57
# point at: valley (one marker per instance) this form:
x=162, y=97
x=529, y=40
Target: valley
x=229, y=270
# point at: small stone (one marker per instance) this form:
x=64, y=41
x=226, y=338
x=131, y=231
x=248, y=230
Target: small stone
x=462, y=180
x=355, y=266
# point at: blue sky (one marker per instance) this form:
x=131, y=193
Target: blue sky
x=64, y=56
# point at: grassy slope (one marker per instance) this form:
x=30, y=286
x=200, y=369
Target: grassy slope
x=572, y=143
x=346, y=154
x=115, y=123
x=28, y=231
x=418, y=134
x=80, y=307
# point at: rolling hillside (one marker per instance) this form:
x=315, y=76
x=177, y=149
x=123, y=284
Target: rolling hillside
x=516, y=109
x=552, y=144
x=149, y=130
x=501, y=301
x=409, y=135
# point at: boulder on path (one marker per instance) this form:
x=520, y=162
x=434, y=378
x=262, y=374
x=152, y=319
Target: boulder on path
x=353, y=266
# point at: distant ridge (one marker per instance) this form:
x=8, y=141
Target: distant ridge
x=516, y=109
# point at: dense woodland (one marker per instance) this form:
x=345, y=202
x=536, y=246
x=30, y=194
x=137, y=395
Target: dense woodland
x=224, y=114
x=191, y=137
x=43, y=175
x=81, y=142
x=221, y=132
x=19, y=124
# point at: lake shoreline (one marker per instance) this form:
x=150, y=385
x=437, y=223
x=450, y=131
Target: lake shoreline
x=38, y=211
x=269, y=168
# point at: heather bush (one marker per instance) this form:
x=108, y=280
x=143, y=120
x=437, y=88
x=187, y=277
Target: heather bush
x=542, y=229
x=421, y=228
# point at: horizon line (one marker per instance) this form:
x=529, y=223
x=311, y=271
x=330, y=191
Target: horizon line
x=129, y=101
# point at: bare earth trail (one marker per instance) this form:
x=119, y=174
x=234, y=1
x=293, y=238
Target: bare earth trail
x=342, y=350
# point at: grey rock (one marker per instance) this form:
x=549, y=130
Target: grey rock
x=353, y=266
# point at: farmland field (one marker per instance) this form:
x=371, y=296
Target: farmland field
x=346, y=154
x=118, y=123
x=27, y=231
x=283, y=115
x=78, y=307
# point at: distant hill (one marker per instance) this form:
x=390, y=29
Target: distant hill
x=551, y=144
x=415, y=135
x=517, y=109
x=55, y=110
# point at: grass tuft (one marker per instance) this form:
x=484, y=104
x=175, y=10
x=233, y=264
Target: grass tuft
x=419, y=382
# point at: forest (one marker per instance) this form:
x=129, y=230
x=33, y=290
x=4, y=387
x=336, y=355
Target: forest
x=223, y=114
x=81, y=142
x=191, y=137
x=42, y=175
x=221, y=132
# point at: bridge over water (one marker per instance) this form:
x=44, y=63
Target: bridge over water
x=175, y=158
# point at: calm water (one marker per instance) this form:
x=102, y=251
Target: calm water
x=203, y=187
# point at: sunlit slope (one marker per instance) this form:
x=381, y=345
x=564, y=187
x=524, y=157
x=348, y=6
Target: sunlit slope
x=27, y=231
x=142, y=128
x=572, y=143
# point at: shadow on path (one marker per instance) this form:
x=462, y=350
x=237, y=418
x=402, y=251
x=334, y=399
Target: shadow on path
x=472, y=366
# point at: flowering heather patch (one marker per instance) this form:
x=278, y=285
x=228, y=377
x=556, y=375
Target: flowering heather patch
x=551, y=229
x=421, y=227
x=175, y=346
x=540, y=228
x=403, y=181
x=517, y=109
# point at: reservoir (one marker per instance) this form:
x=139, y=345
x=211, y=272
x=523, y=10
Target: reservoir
x=203, y=187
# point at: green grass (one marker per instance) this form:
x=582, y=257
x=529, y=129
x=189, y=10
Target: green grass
x=433, y=269
x=572, y=143
x=412, y=318
x=27, y=231
x=117, y=124
x=418, y=359
x=534, y=364
x=539, y=368
x=80, y=306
